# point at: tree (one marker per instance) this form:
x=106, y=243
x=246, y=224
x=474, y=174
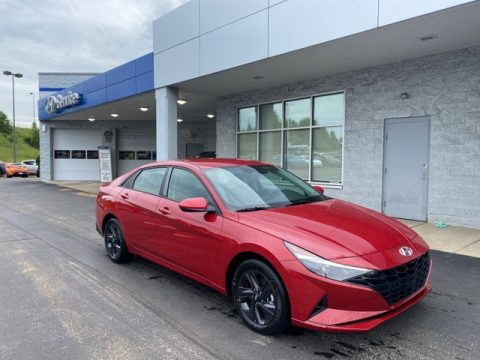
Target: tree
x=5, y=126
x=33, y=139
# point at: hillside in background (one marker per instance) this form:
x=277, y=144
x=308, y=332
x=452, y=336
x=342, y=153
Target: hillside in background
x=27, y=141
x=24, y=150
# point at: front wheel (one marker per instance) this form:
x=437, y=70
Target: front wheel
x=261, y=298
x=115, y=244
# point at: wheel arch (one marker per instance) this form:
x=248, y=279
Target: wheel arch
x=247, y=255
x=105, y=220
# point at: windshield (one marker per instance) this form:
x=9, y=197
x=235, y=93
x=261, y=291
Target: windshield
x=257, y=187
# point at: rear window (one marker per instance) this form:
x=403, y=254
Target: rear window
x=150, y=180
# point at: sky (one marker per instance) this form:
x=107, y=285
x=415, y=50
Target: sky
x=69, y=36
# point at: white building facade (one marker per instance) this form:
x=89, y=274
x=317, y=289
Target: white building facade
x=377, y=100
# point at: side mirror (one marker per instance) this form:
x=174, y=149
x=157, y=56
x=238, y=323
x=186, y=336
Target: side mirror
x=319, y=188
x=198, y=204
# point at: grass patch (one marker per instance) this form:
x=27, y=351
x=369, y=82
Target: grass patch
x=24, y=150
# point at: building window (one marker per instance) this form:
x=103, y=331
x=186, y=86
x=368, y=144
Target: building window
x=79, y=154
x=92, y=154
x=62, y=154
x=126, y=155
x=144, y=155
x=303, y=135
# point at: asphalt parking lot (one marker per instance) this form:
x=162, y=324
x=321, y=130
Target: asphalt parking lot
x=61, y=298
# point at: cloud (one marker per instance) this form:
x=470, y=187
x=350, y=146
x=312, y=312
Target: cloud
x=69, y=36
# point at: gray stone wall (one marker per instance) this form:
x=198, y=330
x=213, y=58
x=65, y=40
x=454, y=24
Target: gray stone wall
x=199, y=132
x=444, y=86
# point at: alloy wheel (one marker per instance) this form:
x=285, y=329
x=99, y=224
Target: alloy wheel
x=256, y=297
x=113, y=240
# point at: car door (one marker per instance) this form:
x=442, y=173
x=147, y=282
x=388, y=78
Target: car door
x=193, y=239
x=138, y=208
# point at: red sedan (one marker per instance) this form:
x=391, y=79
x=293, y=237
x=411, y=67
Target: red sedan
x=284, y=251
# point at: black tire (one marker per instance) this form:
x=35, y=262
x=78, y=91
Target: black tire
x=115, y=244
x=261, y=298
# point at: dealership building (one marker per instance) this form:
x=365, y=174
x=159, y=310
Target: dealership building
x=376, y=100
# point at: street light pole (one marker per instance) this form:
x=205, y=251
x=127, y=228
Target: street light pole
x=13, y=75
x=33, y=105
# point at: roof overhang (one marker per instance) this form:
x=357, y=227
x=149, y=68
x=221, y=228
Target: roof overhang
x=453, y=28
x=125, y=81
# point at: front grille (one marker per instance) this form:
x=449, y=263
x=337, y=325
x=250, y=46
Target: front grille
x=397, y=283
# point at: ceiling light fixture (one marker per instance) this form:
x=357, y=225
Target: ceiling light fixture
x=91, y=118
x=210, y=115
x=114, y=115
x=179, y=120
x=181, y=101
x=143, y=108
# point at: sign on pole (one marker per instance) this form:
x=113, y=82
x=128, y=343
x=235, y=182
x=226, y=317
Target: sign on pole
x=105, y=160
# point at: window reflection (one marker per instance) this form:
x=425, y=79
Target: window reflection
x=298, y=152
x=297, y=113
x=247, y=119
x=271, y=116
x=271, y=147
x=247, y=146
x=287, y=135
x=327, y=154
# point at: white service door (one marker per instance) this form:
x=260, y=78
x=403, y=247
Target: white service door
x=75, y=140
x=133, y=145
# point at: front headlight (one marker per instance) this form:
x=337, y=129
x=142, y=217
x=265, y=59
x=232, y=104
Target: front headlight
x=324, y=267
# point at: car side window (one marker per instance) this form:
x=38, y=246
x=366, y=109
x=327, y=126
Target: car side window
x=183, y=185
x=150, y=180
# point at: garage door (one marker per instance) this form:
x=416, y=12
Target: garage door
x=75, y=155
x=136, y=146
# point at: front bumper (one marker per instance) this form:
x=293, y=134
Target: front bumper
x=349, y=307
x=358, y=321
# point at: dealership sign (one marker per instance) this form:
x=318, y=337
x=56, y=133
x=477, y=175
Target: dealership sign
x=56, y=103
x=105, y=161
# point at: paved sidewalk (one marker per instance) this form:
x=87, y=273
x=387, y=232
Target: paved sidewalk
x=452, y=239
x=89, y=188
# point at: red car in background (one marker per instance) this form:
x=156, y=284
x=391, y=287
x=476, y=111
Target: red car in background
x=284, y=251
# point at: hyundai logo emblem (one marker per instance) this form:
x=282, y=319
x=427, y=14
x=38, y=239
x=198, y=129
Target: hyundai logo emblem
x=405, y=251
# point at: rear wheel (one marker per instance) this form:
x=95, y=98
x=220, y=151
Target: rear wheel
x=115, y=244
x=260, y=297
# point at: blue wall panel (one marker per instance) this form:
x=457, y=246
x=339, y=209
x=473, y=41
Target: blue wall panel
x=144, y=64
x=120, y=73
x=95, y=83
x=121, y=90
x=144, y=82
x=134, y=77
x=95, y=98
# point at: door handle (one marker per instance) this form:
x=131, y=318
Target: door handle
x=165, y=211
x=424, y=171
x=124, y=196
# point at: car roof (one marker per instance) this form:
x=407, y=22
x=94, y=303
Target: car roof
x=220, y=162
x=206, y=162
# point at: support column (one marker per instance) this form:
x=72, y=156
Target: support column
x=46, y=152
x=166, y=99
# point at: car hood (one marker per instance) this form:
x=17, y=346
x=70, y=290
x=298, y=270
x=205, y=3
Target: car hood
x=334, y=229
